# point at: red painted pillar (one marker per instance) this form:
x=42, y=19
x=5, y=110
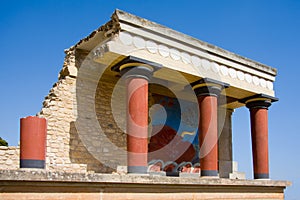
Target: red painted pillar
x=207, y=91
x=259, y=136
x=33, y=133
x=137, y=118
x=208, y=137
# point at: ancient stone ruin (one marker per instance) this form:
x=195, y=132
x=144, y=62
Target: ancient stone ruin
x=142, y=111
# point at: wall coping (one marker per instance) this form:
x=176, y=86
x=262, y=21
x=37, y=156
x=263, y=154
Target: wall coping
x=50, y=176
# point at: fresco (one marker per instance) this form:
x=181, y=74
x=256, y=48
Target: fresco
x=174, y=144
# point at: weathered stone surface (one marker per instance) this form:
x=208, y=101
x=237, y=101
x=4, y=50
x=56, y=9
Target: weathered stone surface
x=10, y=157
x=42, y=184
x=237, y=175
x=44, y=175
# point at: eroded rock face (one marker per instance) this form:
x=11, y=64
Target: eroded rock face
x=167, y=145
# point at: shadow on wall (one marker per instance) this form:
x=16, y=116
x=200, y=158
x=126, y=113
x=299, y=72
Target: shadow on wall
x=80, y=155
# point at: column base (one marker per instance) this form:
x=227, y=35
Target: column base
x=29, y=163
x=261, y=176
x=210, y=173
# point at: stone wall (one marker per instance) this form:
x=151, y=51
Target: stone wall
x=82, y=134
x=9, y=157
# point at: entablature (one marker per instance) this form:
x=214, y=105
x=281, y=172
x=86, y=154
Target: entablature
x=128, y=35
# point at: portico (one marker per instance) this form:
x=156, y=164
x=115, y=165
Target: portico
x=207, y=91
x=219, y=80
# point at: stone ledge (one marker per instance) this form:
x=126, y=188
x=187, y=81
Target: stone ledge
x=47, y=176
x=41, y=184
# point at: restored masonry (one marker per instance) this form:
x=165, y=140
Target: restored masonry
x=143, y=111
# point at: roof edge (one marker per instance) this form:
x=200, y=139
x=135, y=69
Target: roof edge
x=113, y=26
x=129, y=18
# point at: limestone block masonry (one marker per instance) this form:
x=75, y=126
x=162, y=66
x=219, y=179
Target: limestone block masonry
x=58, y=110
x=9, y=157
x=65, y=149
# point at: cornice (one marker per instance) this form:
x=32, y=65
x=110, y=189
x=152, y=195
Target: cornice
x=167, y=51
x=123, y=21
x=132, y=20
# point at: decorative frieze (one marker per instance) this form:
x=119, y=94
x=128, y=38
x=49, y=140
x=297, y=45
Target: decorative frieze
x=195, y=61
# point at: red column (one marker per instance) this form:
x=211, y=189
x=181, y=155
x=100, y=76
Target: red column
x=259, y=136
x=33, y=133
x=207, y=91
x=137, y=117
x=137, y=125
x=208, y=137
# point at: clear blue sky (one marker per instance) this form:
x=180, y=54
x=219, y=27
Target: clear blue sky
x=35, y=33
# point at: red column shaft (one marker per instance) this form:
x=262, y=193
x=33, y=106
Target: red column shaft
x=208, y=137
x=137, y=125
x=259, y=134
x=33, y=142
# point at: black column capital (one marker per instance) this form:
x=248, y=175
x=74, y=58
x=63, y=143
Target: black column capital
x=265, y=104
x=136, y=67
x=259, y=101
x=208, y=87
x=136, y=70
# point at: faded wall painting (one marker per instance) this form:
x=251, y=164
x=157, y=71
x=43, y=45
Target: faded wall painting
x=174, y=140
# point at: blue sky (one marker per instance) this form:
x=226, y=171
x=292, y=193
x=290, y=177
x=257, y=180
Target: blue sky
x=35, y=33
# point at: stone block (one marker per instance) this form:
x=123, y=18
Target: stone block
x=237, y=175
x=122, y=169
x=234, y=166
x=225, y=167
x=161, y=173
x=189, y=175
x=9, y=162
x=105, y=150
